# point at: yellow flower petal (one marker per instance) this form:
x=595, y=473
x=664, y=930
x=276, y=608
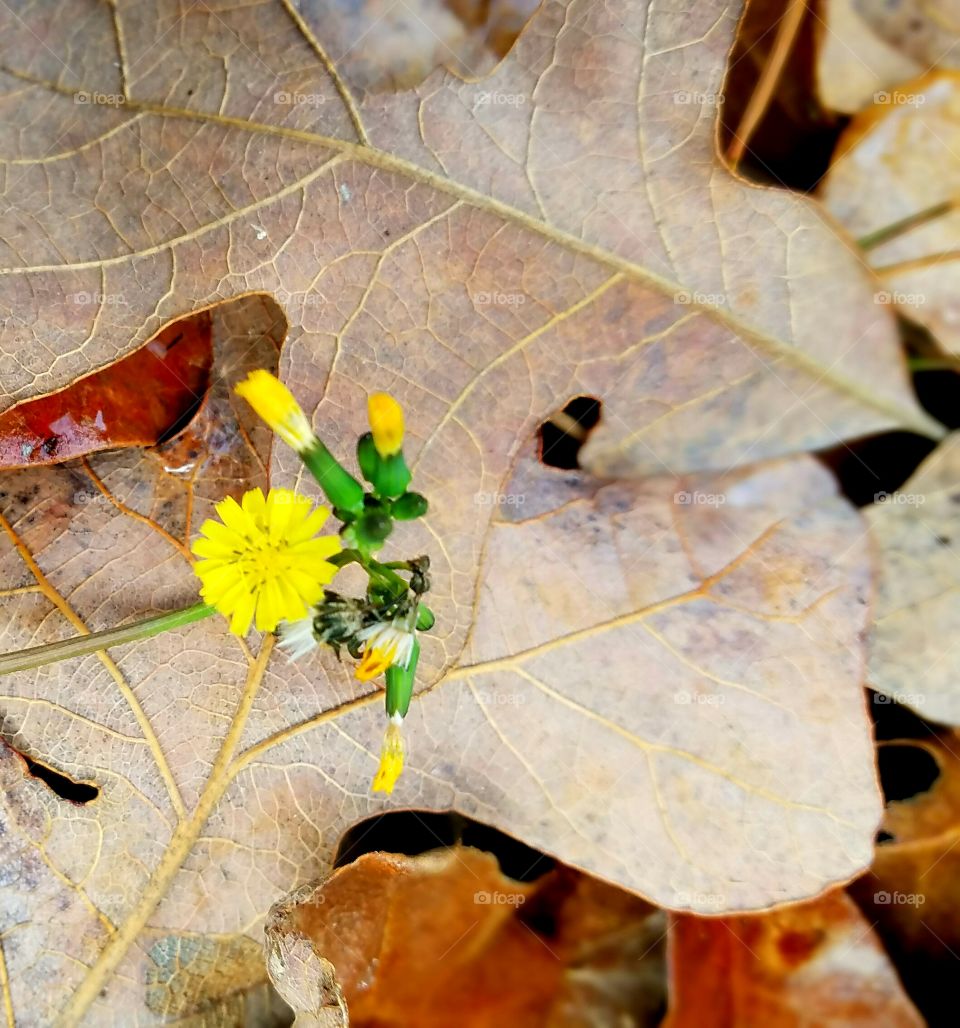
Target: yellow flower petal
x=375, y=661
x=258, y=565
x=274, y=402
x=386, y=423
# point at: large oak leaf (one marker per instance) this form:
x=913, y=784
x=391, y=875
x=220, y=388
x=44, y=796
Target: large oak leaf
x=648, y=688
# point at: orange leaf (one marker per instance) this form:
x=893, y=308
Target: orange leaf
x=815, y=963
x=133, y=402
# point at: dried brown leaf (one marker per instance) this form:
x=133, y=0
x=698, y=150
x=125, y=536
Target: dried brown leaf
x=913, y=650
x=664, y=693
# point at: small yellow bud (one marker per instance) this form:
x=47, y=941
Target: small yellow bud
x=274, y=402
x=391, y=757
x=386, y=423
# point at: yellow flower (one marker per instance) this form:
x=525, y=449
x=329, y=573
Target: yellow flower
x=391, y=757
x=386, y=423
x=387, y=642
x=264, y=558
x=274, y=402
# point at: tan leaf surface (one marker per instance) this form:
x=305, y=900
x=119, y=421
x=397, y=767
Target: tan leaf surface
x=667, y=686
x=926, y=30
x=815, y=963
x=895, y=160
x=915, y=640
x=572, y=195
x=446, y=937
x=854, y=63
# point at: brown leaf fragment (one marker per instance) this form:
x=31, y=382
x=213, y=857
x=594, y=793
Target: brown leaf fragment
x=423, y=940
x=815, y=963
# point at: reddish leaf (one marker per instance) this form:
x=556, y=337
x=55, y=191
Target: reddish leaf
x=815, y=963
x=133, y=402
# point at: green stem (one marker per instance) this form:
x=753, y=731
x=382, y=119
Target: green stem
x=933, y=364
x=372, y=567
x=81, y=645
x=896, y=228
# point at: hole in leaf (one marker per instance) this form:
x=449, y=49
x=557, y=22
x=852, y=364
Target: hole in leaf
x=905, y=771
x=139, y=400
x=63, y=785
x=412, y=832
x=562, y=435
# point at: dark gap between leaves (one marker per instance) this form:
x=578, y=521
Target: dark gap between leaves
x=891, y=720
x=562, y=435
x=880, y=464
x=412, y=831
x=905, y=771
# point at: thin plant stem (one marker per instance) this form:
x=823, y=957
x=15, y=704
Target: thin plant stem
x=897, y=228
x=81, y=645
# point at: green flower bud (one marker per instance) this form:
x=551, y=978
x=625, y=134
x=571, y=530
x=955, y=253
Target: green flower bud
x=400, y=684
x=409, y=506
x=392, y=475
x=425, y=618
x=367, y=457
x=372, y=528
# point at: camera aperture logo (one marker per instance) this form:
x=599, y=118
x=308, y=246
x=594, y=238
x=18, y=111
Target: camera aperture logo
x=899, y=899
x=84, y=97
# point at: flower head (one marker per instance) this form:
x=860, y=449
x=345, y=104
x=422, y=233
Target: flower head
x=274, y=402
x=263, y=558
x=391, y=757
x=386, y=423
x=385, y=643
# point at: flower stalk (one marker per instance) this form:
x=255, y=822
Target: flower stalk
x=82, y=645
